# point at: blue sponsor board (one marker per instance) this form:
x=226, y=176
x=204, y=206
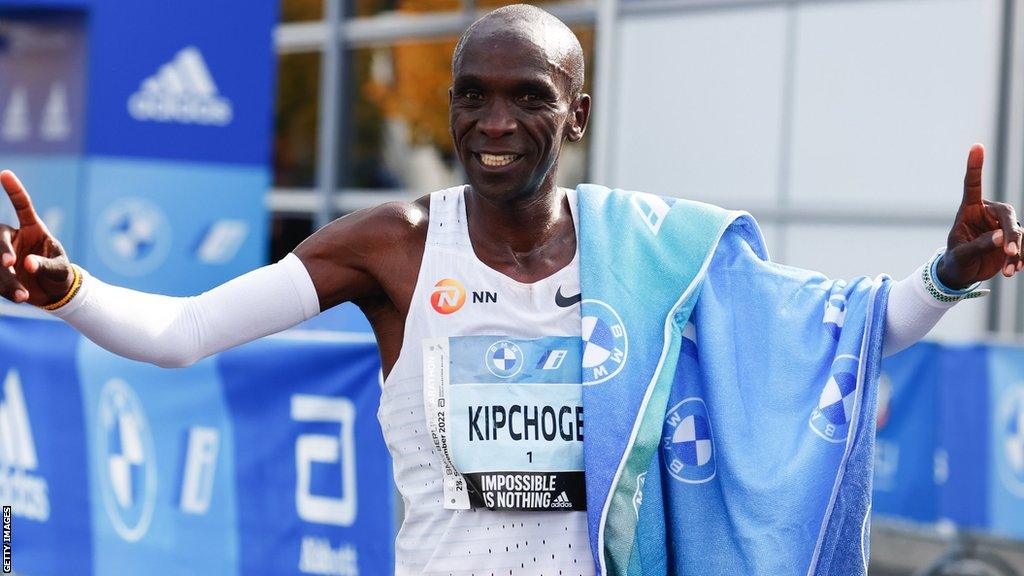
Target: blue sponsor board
x=172, y=227
x=1006, y=441
x=161, y=467
x=240, y=464
x=143, y=131
x=964, y=409
x=186, y=80
x=43, y=470
x=55, y=182
x=42, y=82
x=314, y=480
x=908, y=463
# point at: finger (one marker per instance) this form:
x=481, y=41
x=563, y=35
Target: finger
x=1012, y=231
x=981, y=246
x=49, y=268
x=7, y=255
x=11, y=288
x=19, y=198
x=972, y=178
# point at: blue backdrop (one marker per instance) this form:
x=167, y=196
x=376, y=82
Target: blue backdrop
x=950, y=441
x=143, y=132
x=267, y=459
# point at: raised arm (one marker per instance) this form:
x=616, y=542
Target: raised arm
x=985, y=239
x=177, y=331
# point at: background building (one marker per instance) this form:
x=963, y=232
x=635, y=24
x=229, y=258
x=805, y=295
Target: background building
x=842, y=125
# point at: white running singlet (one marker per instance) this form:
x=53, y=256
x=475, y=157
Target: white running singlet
x=458, y=295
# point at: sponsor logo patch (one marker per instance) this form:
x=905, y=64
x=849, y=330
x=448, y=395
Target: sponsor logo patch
x=182, y=91
x=133, y=236
x=688, y=443
x=448, y=296
x=28, y=493
x=127, y=463
x=504, y=359
x=831, y=418
x=605, y=343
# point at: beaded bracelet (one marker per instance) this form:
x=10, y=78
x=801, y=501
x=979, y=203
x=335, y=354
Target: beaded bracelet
x=935, y=287
x=76, y=284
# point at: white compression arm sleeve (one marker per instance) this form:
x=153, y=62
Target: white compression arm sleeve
x=173, y=332
x=911, y=313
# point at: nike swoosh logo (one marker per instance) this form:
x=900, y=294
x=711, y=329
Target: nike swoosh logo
x=566, y=301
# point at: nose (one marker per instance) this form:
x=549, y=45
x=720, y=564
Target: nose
x=496, y=120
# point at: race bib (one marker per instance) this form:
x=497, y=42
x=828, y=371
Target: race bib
x=506, y=418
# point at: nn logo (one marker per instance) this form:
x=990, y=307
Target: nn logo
x=27, y=493
x=485, y=297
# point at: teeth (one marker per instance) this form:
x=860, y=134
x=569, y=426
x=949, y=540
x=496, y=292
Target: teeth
x=497, y=159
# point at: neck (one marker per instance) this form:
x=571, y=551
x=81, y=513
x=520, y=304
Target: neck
x=521, y=224
x=531, y=233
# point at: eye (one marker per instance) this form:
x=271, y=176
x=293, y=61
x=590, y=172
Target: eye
x=472, y=95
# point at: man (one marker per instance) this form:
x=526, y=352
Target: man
x=516, y=98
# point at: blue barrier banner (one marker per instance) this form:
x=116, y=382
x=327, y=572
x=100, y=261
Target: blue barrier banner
x=43, y=464
x=267, y=459
x=907, y=439
x=964, y=425
x=1006, y=441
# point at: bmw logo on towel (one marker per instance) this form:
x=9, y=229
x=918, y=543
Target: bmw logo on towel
x=835, y=314
x=504, y=359
x=605, y=344
x=1011, y=426
x=831, y=418
x=688, y=443
x=132, y=236
x=128, y=466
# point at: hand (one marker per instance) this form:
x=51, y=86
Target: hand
x=34, y=268
x=986, y=237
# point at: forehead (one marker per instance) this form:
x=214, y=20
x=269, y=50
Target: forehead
x=512, y=52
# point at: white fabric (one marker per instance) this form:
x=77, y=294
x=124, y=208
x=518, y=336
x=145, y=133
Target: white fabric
x=911, y=313
x=177, y=331
x=433, y=540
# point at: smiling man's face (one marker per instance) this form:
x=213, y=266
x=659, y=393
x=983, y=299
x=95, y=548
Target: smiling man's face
x=512, y=104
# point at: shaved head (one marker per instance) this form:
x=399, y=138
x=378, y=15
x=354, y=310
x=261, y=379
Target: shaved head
x=534, y=25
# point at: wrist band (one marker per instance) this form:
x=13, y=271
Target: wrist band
x=940, y=292
x=76, y=283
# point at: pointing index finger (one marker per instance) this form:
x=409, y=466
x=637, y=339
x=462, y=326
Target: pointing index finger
x=19, y=198
x=972, y=178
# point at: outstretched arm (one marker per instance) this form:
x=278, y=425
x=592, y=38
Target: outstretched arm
x=172, y=331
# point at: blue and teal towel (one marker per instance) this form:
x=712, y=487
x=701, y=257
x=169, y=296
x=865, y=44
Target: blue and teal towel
x=730, y=401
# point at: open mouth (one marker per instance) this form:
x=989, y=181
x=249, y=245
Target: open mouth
x=497, y=160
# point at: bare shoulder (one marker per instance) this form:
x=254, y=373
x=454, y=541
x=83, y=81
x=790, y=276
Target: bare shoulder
x=361, y=254
x=384, y=226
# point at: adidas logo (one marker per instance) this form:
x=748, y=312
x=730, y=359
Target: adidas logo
x=17, y=449
x=562, y=501
x=181, y=91
x=27, y=493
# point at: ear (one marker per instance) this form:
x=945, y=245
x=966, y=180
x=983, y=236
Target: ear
x=579, y=116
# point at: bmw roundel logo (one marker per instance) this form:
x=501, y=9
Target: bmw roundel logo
x=831, y=418
x=504, y=359
x=605, y=343
x=688, y=444
x=835, y=315
x=127, y=460
x=133, y=236
x=1011, y=429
